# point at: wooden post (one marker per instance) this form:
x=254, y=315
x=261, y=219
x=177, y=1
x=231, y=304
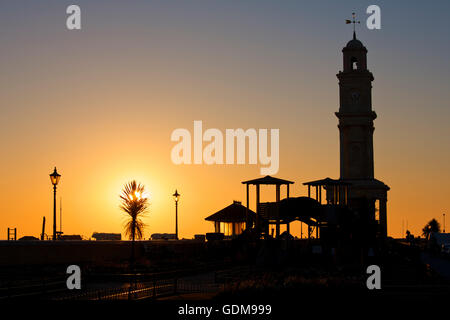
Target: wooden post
x=278, y=211
x=339, y=194
x=309, y=191
x=248, y=225
x=328, y=194
x=334, y=194
x=287, y=193
x=257, y=208
x=320, y=194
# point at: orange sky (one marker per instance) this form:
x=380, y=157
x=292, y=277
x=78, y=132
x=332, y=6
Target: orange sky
x=102, y=103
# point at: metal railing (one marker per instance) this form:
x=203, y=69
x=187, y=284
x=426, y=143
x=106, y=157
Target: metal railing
x=127, y=288
x=155, y=289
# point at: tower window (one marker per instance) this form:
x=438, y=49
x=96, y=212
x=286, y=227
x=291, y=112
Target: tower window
x=354, y=63
x=377, y=210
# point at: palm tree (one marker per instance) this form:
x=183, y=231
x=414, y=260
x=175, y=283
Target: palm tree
x=134, y=202
x=430, y=227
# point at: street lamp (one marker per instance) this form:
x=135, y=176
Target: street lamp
x=176, y=197
x=54, y=178
x=443, y=231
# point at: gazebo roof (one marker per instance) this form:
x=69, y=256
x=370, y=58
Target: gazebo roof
x=327, y=182
x=267, y=180
x=235, y=212
x=299, y=207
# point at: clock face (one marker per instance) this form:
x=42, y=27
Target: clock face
x=355, y=96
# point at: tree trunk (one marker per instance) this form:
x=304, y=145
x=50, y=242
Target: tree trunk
x=133, y=237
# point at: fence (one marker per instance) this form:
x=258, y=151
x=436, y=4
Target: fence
x=154, y=289
x=142, y=288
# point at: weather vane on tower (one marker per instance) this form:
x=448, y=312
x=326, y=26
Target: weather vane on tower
x=354, y=21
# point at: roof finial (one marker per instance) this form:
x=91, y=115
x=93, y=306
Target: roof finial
x=354, y=21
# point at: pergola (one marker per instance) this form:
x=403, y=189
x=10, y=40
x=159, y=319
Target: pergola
x=337, y=190
x=267, y=180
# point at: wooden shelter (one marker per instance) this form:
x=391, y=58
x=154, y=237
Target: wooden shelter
x=231, y=220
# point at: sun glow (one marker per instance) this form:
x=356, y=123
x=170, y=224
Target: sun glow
x=138, y=196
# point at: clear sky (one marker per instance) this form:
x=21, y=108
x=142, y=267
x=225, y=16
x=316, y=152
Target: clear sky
x=101, y=103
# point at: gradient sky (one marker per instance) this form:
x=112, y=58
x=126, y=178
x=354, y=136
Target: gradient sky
x=102, y=102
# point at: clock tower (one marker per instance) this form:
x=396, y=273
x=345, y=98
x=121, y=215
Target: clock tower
x=367, y=195
x=355, y=113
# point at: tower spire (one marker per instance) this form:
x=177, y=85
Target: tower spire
x=354, y=22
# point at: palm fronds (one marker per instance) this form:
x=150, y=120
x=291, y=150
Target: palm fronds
x=134, y=202
x=432, y=226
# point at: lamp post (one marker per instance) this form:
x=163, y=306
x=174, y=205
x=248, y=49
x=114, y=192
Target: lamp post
x=54, y=178
x=176, y=197
x=443, y=230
